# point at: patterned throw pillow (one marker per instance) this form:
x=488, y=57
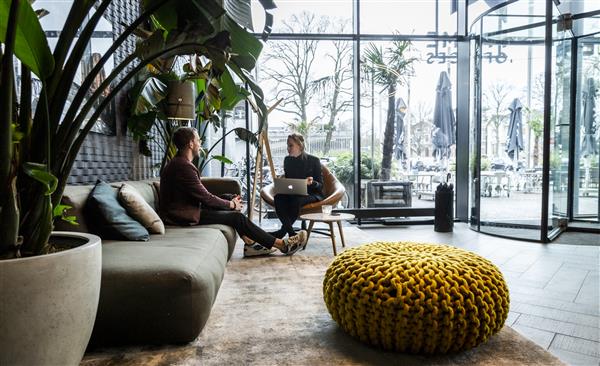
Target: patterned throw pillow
x=140, y=210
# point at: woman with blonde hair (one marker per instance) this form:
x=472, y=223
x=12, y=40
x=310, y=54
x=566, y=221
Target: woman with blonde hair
x=300, y=165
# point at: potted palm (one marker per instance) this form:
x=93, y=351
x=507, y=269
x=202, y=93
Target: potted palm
x=49, y=283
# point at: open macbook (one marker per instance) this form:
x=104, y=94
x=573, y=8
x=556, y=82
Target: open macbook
x=290, y=186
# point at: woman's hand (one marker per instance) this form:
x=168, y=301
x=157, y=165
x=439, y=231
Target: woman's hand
x=309, y=181
x=236, y=203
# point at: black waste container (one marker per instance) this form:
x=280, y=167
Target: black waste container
x=444, y=208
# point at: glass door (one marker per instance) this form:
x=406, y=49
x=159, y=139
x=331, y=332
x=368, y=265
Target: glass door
x=507, y=139
x=586, y=173
x=560, y=122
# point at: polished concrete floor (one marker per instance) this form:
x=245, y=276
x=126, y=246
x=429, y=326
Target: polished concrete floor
x=554, y=288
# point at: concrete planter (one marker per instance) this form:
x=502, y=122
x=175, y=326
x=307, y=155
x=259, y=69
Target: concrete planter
x=48, y=303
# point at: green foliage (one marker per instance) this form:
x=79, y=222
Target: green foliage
x=485, y=163
x=38, y=151
x=390, y=65
x=304, y=128
x=60, y=211
x=231, y=51
x=216, y=91
x=342, y=166
x=31, y=45
x=535, y=121
x=40, y=173
x=593, y=161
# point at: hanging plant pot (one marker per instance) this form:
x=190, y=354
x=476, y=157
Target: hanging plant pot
x=48, y=303
x=181, y=100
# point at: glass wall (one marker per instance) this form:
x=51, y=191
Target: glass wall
x=365, y=87
x=312, y=82
x=323, y=12
x=400, y=16
x=307, y=70
x=422, y=150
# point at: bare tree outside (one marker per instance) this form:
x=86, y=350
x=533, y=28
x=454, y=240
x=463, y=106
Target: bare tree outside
x=421, y=127
x=496, y=98
x=336, y=88
x=535, y=116
x=291, y=65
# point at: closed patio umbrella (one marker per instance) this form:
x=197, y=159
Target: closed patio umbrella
x=588, y=144
x=444, y=121
x=514, y=136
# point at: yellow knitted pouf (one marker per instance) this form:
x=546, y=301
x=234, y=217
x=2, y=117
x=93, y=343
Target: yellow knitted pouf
x=414, y=297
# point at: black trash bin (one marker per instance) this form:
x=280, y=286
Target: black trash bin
x=444, y=208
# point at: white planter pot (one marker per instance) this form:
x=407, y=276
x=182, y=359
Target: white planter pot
x=48, y=304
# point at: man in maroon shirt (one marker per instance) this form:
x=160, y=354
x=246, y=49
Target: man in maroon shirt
x=185, y=201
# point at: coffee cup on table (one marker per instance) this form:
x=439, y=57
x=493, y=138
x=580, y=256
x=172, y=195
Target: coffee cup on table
x=326, y=209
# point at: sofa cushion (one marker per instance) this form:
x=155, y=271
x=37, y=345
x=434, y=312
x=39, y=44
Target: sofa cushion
x=161, y=291
x=145, y=189
x=228, y=232
x=108, y=219
x=230, y=235
x=139, y=209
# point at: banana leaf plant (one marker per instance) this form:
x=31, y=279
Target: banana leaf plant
x=217, y=92
x=38, y=149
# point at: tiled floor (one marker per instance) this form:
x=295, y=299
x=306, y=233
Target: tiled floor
x=554, y=288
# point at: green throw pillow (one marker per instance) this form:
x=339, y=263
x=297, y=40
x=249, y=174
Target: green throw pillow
x=108, y=219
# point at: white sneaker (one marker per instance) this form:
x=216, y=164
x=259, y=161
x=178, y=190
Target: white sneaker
x=255, y=249
x=295, y=243
x=303, y=235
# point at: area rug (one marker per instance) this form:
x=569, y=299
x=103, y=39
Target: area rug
x=270, y=311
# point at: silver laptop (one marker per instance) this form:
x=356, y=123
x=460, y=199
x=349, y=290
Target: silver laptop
x=290, y=186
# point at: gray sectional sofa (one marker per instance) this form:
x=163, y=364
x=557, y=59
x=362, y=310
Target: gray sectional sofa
x=159, y=291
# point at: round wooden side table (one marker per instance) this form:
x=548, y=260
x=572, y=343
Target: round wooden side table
x=329, y=219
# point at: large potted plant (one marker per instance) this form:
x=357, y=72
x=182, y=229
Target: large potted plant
x=49, y=286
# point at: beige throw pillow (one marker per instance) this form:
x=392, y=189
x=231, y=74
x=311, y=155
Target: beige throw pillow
x=140, y=210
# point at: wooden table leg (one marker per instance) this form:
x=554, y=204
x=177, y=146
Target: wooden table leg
x=341, y=233
x=310, y=226
x=332, y=237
